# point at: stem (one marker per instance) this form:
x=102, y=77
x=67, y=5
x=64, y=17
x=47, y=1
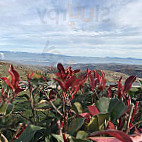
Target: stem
x=92, y=99
x=4, y=138
x=130, y=115
x=65, y=117
x=32, y=103
x=95, y=92
x=133, y=126
x=134, y=112
x=54, y=106
x=20, y=125
x=63, y=104
x=120, y=121
x=12, y=99
x=123, y=124
x=59, y=123
x=66, y=123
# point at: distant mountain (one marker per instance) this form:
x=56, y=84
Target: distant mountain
x=49, y=59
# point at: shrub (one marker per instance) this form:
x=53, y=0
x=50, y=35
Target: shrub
x=74, y=107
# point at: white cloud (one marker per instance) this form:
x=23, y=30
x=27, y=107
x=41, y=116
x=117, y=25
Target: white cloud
x=117, y=29
x=130, y=14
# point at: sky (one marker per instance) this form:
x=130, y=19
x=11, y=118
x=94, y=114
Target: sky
x=93, y=28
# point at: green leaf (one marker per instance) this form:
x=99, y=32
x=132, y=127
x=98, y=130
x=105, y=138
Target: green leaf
x=78, y=107
x=116, y=109
x=57, y=102
x=114, y=106
x=97, y=121
x=9, y=109
x=75, y=125
x=59, y=138
x=81, y=135
x=3, y=108
x=79, y=140
x=29, y=133
x=103, y=104
x=140, y=82
x=24, y=96
x=47, y=138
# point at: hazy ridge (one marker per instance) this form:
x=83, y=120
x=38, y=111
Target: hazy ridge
x=52, y=59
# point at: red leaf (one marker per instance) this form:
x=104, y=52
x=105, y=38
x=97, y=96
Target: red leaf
x=15, y=76
x=60, y=83
x=110, y=125
x=6, y=80
x=12, y=75
x=96, y=75
x=104, y=139
x=128, y=83
x=60, y=67
x=137, y=138
x=30, y=76
x=2, y=91
x=114, y=133
x=76, y=71
x=138, y=130
x=109, y=92
x=18, y=90
x=62, y=125
x=120, y=88
x=43, y=77
x=92, y=82
x=102, y=74
x=58, y=74
x=85, y=115
x=69, y=82
x=103, y=80
x=64, y=137
x=77, y=88
x=52, y=95
x=93, y=110
x=87, y=72
x=61, y=75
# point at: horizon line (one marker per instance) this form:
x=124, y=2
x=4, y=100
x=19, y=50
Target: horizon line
x=70, y=55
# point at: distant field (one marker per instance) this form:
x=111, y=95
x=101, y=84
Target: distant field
x=23, y=70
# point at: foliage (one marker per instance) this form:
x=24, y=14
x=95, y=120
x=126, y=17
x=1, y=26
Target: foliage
x=72, y=107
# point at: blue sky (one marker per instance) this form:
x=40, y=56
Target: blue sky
x=96, y=28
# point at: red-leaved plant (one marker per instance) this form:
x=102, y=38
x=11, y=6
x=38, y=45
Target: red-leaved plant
x=72, y=112
x=14, y=85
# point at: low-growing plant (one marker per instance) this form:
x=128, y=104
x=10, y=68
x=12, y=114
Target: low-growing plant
x=71, y=107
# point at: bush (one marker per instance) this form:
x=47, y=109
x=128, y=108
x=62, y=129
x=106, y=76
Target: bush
x=71, y=107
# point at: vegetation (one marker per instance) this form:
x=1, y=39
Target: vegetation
x=71, y=107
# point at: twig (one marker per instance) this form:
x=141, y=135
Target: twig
x=134, y=112
x=54, y=106
x=133, y=126
x=4, y=138
x=32, y=102
x=20, y=125
x=130, y=115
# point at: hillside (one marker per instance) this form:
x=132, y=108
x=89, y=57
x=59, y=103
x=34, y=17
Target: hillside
x=23, y=70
